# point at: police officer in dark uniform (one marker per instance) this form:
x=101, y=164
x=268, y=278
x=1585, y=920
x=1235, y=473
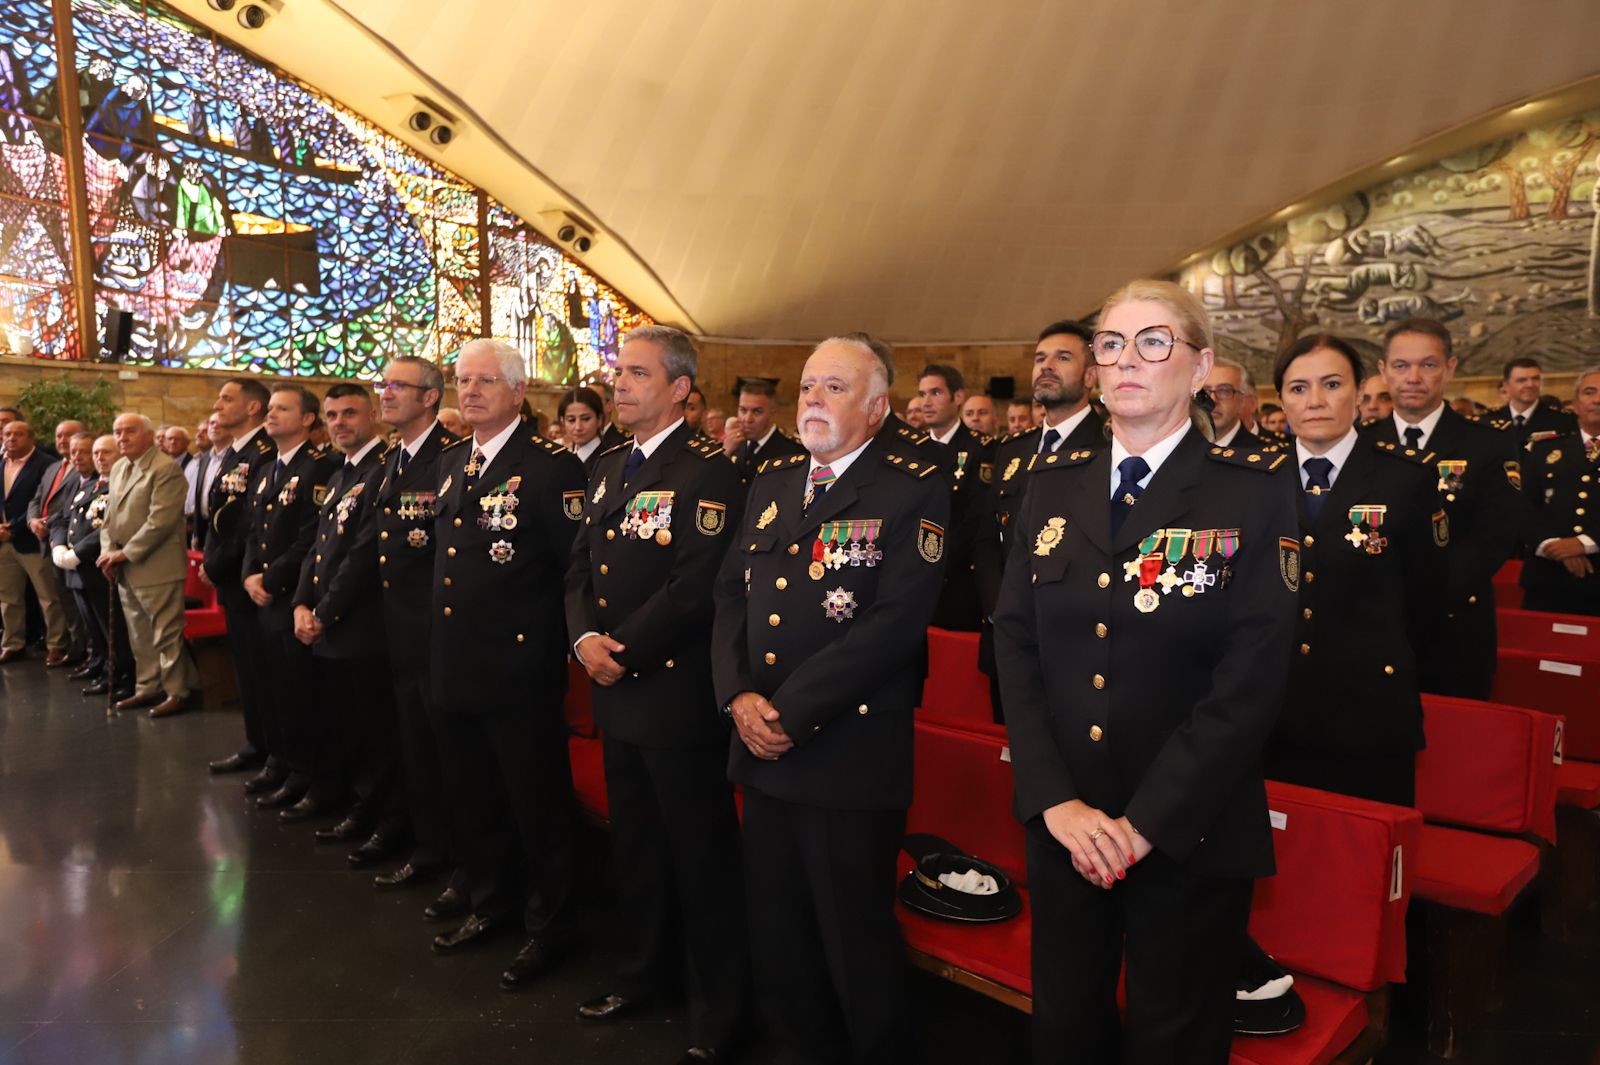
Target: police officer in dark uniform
x=659, y=517
x=968, y=462
x=1558, y=572
x=1372, y=541
x=407, y=498
x=240, y=407
x=1063, y=377
x=1525, y=415
x=338, y=614
x=284, y=502
x=508, y=510
x=1480, y=479
x=753, y=437
x=1142, y=635
x=822, y=604
x=80, y=536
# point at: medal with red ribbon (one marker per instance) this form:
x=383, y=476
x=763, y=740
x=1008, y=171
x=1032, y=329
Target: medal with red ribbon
x=1148, y=568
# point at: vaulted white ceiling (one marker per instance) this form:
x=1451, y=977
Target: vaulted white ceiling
x=935, y=170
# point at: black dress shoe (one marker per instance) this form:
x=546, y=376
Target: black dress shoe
x=306, y=807
x=474, y=929
x=262, y=782
x=99, y=687
x=450, y=903
x=284, y=796
x=535, y=959
x=234, y=763
x=606, y=1008
x=405, y=876
x=373, y=851
x=345, y=830
x=86, y=671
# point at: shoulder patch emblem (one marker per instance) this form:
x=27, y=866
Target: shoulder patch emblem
x=930, y=541
x=572, y=504
x=1289, y=562
x=710, y=517
x=1011, y=469
x=1514, y=474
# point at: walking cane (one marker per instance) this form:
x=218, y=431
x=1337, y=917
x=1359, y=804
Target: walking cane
x=111, y=648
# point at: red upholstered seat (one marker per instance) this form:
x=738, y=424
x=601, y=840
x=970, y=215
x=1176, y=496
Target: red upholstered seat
x=1472, y=871
x=1566, y=634
x=1488, y=766
x=1337, y=907
x=1507, y=590
x=1563, y=684
x=589, y=776
x=1578, y=784
x=1334, y=1017
x=578, y=706
x=1000, y=952
x=955, y=693
x=206, y=620
x=962, y=793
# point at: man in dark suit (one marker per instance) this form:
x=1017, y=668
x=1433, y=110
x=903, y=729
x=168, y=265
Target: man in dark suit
x=338, y=614
x=1524, y=415
x=75, y=548
x=59, y=483
x=507, y=514
x=403, y=518
x=174, y=441
x=968, y=460
x=1063, y=377
x=22, y=563
x=753, y=436
x=1228, y=385
x=821, y=605
x=659, y=517
x=240, y=406
x=1558, y=572
x=204, y=472
x=1480, y=480
x=285, y=501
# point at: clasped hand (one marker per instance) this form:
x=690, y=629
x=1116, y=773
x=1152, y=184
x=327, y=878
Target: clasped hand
x=1103, y=848
x=760, y=727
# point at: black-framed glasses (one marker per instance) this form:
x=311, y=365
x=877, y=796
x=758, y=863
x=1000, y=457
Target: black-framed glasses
x=389, y=386
x=1221, y=391
x=1154, y=344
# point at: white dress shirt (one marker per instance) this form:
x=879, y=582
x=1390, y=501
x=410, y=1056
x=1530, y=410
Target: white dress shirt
x=1427, y=425
x=1067, y=426
x=1154, y=456
x=1338, y=454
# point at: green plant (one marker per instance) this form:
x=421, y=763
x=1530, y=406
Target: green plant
x=50, y=401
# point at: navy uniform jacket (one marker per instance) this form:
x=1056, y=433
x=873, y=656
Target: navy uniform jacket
x=968, y=461
x=339, y=577
x=84, y=513
x=1543, y=420
x=840, y=657
x=20, y=498
x=499, y=636
x=1354, y=683
x=1161, y=716
x=778, y=446
x=283, y=527
x=899, y=435
x=229, y=508
x=402, y=522
x=652, y=594
x=1563, y=487
x=1486, y=510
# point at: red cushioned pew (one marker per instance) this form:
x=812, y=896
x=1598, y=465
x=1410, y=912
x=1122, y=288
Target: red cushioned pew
x=205, y=619
x=1567, y=685
x=1532, y=630
x=956, y=693
x=583, y=746
x=1507, y=590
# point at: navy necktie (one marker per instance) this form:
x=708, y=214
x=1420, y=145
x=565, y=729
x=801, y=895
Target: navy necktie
x=1414, y=437
x=1132, y=470
x=631, y=467
x=405, y=458
x=277, y=476
x=1047, y=442
x=1317, y=485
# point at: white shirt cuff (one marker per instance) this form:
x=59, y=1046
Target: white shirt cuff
x=575, y=644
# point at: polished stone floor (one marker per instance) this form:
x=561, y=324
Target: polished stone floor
x=147, y=915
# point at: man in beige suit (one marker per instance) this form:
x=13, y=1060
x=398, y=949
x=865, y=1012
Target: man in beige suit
x=142, y=549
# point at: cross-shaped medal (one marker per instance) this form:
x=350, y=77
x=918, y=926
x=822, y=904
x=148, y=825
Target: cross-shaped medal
x=872, y=554
x=1356, y=537
x=1199, y=578
x=1169, y=580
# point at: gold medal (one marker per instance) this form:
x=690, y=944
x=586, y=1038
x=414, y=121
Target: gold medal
x=1146, y=600
x=664, y=537
x=816, y=570
x=508, y=522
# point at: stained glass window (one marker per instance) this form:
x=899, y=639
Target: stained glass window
x=245, y=220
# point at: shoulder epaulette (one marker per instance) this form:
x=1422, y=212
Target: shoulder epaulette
x=457, y=442
x=703, y=446
x=1389, y=447
x=262, y=446
x=915, y=467
x=616, y=447
x=782, y=462
x=1006, y=438
x=1057, y=459
x=984, y=439
x=1248, y=457
x=1368, y=422
x=913, y=435
x=317, y=451
x=549, y=445
x=388, y=451
x=1499, y=423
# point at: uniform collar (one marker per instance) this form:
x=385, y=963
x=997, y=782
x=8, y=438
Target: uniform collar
x=1153, y=456
x=287, y=457
x=1227, y=438
x=1338, y=454
x=240, y=441
x=1066, y=427
x=415, y=446
x=355, y=460
x=1427, y=425
x=839, y=465
x=649, y=446
x=947, y=437
x=491, y=447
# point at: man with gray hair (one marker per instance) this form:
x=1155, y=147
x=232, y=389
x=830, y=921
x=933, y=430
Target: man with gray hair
x=821, y=611
x=1229, y=386
x=46, y=513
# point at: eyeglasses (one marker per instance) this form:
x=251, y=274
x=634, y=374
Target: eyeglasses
x=488, y=380
x=390, y=386
x=1220, y=391
x=1154, y=344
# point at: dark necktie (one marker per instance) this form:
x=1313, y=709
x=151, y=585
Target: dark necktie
x=1519, y=419
x=405, y=458
x=1132, y=470
x=1317, y=484
x=1048, y=441
x=631, y=467
x=1414, y=437
x=747, y=452
x=277, y=477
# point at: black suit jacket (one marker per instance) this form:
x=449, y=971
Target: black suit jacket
x=228, y=509
x=612, y=437
x=1543, y=420
x=198, y=527
x=499, y=636
x=1365, y=618
x=339, y=577
x=79, y=530
x=402, y=522
x=1161, y=716
x=900, y=436
x=778, y=446
x=20, y=497
x=654, y=598
x=283, y=527
x=968, y=461
x=844, y=684
x=1487, y=512
x=1563, y=488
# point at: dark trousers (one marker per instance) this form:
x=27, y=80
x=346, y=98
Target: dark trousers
x=825, y=945
x=298, y=732
x=1462, y=662
x=1182, y=933
x=425, y=796
x=675, y=835
x=245, y=648
x=510, y=779
x=363, y=747
x=1382, y=777
x=94, y=603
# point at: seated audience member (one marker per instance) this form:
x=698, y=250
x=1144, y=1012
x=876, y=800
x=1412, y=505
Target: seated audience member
x=1019, y=416
x=1376, y=402
x=977, y=414
x=1558, y=571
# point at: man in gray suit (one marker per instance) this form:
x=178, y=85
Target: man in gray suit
x=46, y=513
x=142, y=549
